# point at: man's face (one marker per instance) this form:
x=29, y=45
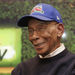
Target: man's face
x=44, y=36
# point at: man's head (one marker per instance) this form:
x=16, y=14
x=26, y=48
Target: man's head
x=45, y=28
x=45, y=36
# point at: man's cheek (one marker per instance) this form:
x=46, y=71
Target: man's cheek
x=46, y=35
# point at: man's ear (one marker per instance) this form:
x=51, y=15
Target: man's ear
x=60, y=28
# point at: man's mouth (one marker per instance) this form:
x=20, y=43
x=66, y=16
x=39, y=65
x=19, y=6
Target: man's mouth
x=39, y=44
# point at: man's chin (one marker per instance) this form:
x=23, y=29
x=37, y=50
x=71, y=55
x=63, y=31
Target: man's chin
x=39, y=52
x=42, y=53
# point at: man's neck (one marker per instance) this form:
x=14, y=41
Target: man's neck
x=55, y=52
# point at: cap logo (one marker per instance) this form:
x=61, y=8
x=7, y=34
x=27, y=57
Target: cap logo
x=58, y=18
x=37, y=9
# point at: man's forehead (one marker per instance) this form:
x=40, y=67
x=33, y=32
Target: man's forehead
x=39, y=22
x=35, y=21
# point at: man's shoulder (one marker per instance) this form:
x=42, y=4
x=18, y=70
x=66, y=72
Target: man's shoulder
x=30, y=61
x=70, y=57
x=24, y=66
x=71, y=54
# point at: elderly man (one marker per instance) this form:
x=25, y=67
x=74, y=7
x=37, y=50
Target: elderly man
x=45, y=28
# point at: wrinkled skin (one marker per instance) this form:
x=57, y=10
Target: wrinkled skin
x=48, y=38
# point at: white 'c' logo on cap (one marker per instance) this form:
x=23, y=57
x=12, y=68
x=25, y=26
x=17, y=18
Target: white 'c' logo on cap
x=58, y=18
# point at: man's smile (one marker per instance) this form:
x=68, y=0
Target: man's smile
x=39, y=45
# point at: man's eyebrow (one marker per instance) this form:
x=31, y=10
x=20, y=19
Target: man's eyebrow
x=44, y=23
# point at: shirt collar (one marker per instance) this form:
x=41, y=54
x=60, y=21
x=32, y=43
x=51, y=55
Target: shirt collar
x=55, y=52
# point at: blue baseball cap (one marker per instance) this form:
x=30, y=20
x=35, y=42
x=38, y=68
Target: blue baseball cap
x=41, y=11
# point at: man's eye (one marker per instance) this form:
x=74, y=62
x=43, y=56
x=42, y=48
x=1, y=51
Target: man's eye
x=30, y=30
x=41, y=29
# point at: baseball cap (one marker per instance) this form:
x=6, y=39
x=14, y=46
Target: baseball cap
x=41, y=11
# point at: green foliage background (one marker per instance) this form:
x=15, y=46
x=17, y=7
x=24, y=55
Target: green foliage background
x=10, y=12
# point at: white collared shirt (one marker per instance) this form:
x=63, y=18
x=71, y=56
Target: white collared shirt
x=55, y=52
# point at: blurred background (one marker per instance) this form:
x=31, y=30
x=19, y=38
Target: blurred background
x=14, y=42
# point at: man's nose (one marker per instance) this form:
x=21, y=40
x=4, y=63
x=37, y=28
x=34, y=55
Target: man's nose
x=34, y=37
